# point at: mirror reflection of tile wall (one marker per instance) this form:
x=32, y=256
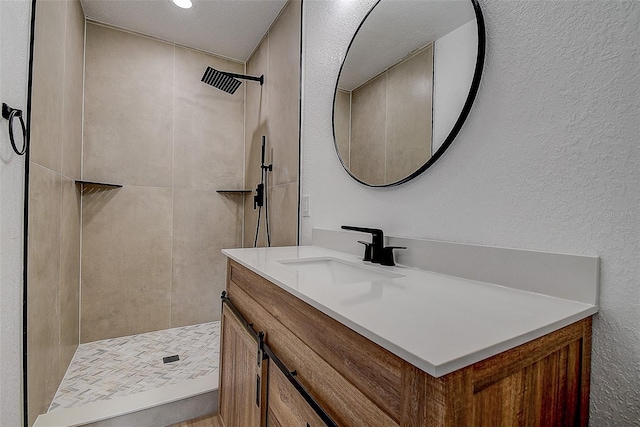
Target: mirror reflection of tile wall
x=383, y=128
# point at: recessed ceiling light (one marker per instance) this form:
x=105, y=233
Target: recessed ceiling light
x=185, y=4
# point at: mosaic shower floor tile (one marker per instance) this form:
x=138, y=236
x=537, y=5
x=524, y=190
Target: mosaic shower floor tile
x=126, y=365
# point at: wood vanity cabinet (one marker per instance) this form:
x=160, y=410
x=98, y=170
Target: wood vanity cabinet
x=544, y=382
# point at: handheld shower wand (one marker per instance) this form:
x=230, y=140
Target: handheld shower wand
x=260, y=198
x=264, y=167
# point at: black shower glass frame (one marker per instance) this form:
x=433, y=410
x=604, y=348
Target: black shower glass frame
x=464, y=113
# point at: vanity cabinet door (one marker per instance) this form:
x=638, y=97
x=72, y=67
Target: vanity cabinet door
x=241, y=372
x=287, y=408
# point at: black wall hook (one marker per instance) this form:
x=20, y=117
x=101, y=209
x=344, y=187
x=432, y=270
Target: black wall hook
x=9, y=114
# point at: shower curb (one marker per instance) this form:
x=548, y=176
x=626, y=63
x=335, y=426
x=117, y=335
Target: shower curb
x=161, y=406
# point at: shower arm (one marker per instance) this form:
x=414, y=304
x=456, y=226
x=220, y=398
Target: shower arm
x=245, y=77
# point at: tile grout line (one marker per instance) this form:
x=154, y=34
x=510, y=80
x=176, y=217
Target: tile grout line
x=173, y=178
x=61, y=194
x=268, y=143
x=81, y=225
x=244, y=155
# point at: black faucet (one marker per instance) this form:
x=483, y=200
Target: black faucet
x=375, y=251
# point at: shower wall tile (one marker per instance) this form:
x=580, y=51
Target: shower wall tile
x=126, y=261
x=70, y=272
x=47, y=90
x=128, y=133
x=256, y=125
x=54, y=211
x=283, y=200
x=73, y=92
x=43, y=278
x=251, y=220
x=368, y=115
x=283, y=86
x=409, y=106
x=151, y=250
x=283, y=218
x=256, y=119
x=209, y=126
x=204, y=222
x=273, y=110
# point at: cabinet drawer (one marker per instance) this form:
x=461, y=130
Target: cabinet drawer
x=286, y=407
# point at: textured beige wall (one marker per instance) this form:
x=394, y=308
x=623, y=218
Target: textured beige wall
x=151, y=250
x=391, y=121
x=53, y=267
x=274, y=110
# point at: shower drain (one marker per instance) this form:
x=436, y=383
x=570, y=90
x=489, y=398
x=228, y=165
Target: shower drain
x=170, y=359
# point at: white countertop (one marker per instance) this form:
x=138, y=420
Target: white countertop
x=436, y=322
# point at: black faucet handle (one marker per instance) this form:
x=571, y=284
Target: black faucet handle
x=377, y=241
x=368, y=250
x=377, y=235
x=386, y=258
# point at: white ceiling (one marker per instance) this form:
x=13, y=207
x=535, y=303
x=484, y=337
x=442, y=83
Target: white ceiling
x=395, y=29
x=229, y=28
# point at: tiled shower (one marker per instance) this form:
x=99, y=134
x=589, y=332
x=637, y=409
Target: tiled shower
x=110, y=262
x=150, y=250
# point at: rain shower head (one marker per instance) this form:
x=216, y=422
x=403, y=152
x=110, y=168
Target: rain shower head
x=226, y=81
x=220, y=80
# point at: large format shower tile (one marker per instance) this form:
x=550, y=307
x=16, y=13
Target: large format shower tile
x=126, y=262
x=204, y=222
x=128, y=108
x=123, y=366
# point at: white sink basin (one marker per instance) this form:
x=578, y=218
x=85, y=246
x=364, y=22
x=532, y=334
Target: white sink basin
x=339, y=272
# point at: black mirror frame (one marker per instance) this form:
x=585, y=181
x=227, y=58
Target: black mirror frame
x=473, y=91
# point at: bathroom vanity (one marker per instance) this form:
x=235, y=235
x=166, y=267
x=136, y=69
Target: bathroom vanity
x=393, y=346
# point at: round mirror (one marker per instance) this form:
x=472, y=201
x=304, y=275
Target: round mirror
x=406, y=86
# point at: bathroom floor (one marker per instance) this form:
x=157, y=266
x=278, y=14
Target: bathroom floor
x=117, y=367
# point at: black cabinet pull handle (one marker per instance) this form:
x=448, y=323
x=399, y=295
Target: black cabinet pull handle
x=258, y=391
